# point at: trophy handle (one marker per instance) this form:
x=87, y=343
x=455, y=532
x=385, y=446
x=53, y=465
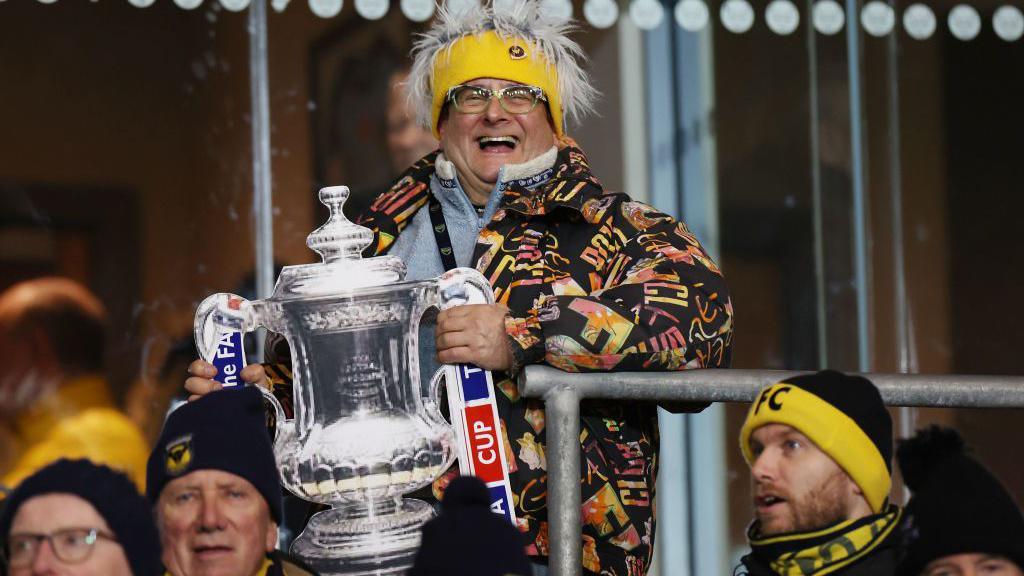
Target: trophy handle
x=456, y=287
x=217, y=314
x=223, y=313
x=463, y=286
x=436, y=382
x=284, y=428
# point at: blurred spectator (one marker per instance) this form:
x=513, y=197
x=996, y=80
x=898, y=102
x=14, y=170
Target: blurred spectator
x=76, y=517
x=156, y=392
x=407, y=140
x=961, y=521
x=214, y=483
x=467, y=539
x=820, y=453
x=54, y=399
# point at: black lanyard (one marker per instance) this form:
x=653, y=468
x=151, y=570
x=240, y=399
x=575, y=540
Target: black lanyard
x=444, y=241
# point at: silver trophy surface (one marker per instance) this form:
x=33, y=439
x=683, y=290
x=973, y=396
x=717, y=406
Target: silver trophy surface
x=366, y=431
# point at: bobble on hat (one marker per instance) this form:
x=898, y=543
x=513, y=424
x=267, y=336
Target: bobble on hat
x=921, y=456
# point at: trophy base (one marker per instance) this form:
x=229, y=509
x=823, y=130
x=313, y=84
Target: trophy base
x=380, y=538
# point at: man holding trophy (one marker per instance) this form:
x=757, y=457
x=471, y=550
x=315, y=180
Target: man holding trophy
x=584, y=279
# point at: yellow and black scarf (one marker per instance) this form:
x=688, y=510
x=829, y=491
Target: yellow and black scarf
x=824, y=551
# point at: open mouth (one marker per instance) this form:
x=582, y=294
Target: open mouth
x=767, y=501
x=498, y=143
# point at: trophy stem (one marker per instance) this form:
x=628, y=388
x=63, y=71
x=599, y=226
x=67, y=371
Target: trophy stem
x=373, y=538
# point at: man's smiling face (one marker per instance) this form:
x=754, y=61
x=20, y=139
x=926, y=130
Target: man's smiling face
x=480, y=144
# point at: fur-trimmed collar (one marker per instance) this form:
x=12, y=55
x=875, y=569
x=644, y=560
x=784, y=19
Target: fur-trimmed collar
x=530, y=171
x=570, y=185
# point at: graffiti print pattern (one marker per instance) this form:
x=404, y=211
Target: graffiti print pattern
x=593, y=281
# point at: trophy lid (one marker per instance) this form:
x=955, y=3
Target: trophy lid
x=340, y=244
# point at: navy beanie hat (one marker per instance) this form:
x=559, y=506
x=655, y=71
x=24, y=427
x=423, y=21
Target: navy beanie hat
x=957, y=506
x=467, y=539
x=224, y=430
x=111, y=493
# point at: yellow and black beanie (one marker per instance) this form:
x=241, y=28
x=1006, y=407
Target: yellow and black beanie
x=489, y=55
x=519, y=43
x=843, y=415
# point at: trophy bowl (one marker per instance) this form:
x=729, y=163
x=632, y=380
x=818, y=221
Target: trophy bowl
x=366, y=431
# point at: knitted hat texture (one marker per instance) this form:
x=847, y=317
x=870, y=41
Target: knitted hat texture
x=224, y=430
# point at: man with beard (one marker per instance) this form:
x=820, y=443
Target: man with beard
x=820, y=451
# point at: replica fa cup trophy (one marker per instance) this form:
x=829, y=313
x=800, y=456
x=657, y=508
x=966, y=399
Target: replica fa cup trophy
x=366, y=431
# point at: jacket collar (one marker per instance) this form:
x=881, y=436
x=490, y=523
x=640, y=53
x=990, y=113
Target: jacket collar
x=528, y=175
x=568, y=183
x=572, y=185
x=263, y=570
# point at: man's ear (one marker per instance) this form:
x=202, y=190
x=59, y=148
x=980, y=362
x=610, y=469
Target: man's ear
x=860, y=501
x=271, y=542
x=854, y=488
x=442, y=121
x=551, y=119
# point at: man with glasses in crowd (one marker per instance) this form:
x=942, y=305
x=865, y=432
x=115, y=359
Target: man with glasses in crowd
x=585, y=279
x=75, y=517
x=820, y=453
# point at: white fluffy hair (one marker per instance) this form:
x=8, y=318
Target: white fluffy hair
x=525, y=20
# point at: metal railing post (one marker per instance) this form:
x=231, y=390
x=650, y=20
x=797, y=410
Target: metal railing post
x=262, y=204
x=562, y=421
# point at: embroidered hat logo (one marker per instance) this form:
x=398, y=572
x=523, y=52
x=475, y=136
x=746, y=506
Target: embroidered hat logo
x=771, y=396
x=179, y=455
x=516, y=52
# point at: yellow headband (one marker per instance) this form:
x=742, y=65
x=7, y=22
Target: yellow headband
x=488, y=55
x=831, y=430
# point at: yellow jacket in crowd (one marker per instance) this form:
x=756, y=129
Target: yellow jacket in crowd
x=78, y=420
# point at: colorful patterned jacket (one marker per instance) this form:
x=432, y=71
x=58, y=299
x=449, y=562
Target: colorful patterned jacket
x=594, y=281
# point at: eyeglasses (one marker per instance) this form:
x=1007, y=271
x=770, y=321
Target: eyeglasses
x=71, y=545
x=518, y=99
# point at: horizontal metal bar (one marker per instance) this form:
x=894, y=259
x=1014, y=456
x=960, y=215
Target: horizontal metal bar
x=732, y=385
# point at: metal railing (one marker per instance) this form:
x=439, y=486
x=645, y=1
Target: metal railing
x=563, y=391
